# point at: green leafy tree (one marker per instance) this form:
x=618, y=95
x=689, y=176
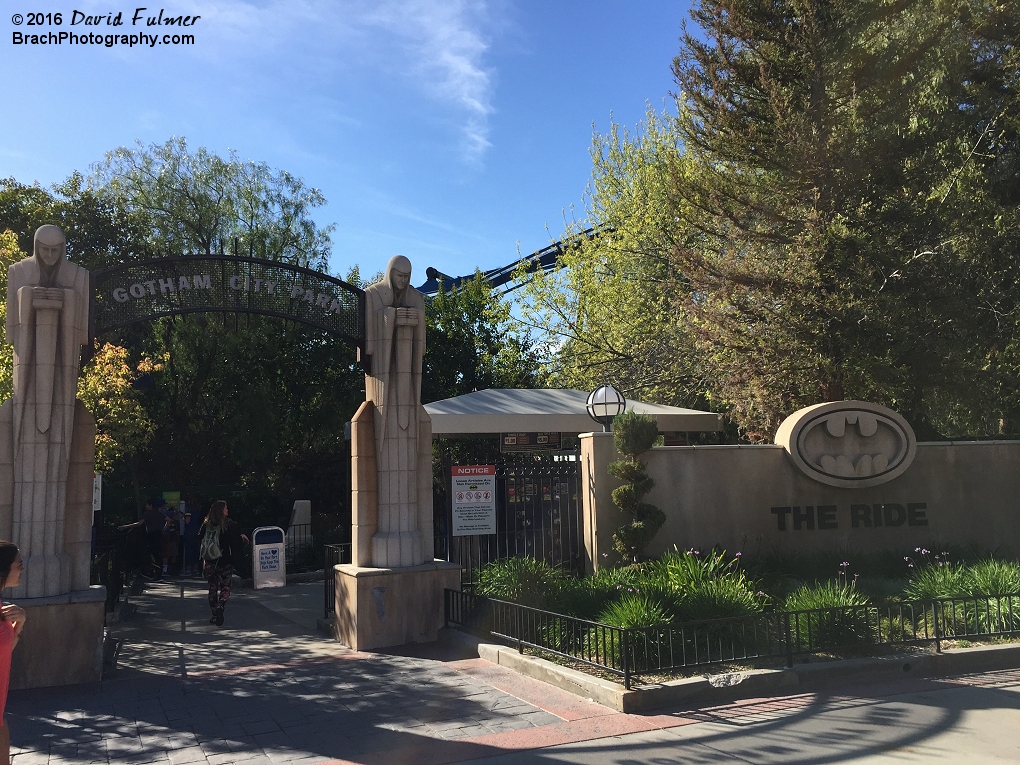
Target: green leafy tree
x=829, y=213
x=473, y=343
x=123, y=427
x=606, y=313
x=98, y=232
x=197, y=201
x=634, y=434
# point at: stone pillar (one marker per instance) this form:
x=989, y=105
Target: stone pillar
x=47, y=462
x=392, y=593
x=600, y=516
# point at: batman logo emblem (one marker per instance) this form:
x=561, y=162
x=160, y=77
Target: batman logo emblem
x=851, y=444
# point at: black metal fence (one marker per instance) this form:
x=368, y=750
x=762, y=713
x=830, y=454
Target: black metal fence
x=300, y=547
x=629, y=652
x=335, y=554
x=538, y=515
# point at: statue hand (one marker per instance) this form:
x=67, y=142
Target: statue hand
x=407, y=317
x=48, y=293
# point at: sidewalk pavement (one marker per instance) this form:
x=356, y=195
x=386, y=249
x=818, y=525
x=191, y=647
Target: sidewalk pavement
x=266, y=689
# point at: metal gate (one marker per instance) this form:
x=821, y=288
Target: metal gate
x=538, y=515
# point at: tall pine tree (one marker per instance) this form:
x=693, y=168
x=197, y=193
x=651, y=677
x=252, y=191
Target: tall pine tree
x=826, y=227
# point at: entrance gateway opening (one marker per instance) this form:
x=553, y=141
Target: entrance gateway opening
x=539, y=514
x=131, y=293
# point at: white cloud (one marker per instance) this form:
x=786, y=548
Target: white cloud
x=446, y=48
x=437, y=46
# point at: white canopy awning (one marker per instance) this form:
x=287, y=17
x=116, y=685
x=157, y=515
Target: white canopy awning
x=547, y=410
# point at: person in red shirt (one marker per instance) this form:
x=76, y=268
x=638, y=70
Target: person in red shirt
x=10, y=631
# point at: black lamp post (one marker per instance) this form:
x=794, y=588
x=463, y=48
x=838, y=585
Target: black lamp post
x=604, y=403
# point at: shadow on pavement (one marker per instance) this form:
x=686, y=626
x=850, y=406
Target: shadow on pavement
x=266, y=690
x=263, y=687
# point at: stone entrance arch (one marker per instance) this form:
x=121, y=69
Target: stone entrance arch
x=55, y=309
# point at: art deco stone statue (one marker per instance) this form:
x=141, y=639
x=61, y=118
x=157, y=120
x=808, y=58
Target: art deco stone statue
x=393, y=353
x=392, y=591
x=47, y=323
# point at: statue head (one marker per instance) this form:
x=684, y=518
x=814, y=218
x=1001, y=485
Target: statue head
x=398, y=274
x=50, y=252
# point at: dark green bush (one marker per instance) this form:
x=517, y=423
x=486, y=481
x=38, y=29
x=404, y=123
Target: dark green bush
x=936, y=580
x=995, y=578
x=846, y=622
x=636, y=610
x=587, y=597
x=634, y=434
x=521, y=580
x=992, y=577
x=718, y=599
x=704, y=586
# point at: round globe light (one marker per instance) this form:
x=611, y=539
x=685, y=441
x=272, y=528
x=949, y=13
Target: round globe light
x=604, y=403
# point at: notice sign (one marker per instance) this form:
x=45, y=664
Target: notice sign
x=474, y=499
x=269, y=559
x=97, y=493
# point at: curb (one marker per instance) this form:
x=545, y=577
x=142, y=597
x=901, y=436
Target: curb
x=707, y=690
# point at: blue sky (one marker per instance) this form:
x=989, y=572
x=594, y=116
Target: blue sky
x=453, y=132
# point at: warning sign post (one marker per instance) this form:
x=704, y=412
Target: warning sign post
x=474, y=499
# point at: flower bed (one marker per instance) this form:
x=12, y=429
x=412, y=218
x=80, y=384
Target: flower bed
x=691, y=610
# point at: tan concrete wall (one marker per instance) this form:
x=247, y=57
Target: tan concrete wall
x=62, y=643
x=954, y=493
x=382, y=607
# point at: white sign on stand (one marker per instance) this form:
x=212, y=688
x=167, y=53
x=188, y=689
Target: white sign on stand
x=97, y=493
x=269, y=559
x=474, y=499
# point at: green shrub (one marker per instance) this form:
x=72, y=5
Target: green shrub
x=679, y=571
x=522, y=580
x=929, y=581
x=993, y=577
x=827, y=595
x=633, y=611
x=634, y=434
x=709, y=586
x=719, y=599
x=636, y=610
x=587, y=597
x=846, y=621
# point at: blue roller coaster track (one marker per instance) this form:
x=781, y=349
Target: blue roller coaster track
x=540, y=260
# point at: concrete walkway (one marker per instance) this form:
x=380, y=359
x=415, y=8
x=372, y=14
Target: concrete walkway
x=266, y=688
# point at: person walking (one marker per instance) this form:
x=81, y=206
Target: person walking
x=153, y=521
x=221, y=542
x=10, y=632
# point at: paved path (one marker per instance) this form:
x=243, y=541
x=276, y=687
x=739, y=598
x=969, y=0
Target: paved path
x=267, y=689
